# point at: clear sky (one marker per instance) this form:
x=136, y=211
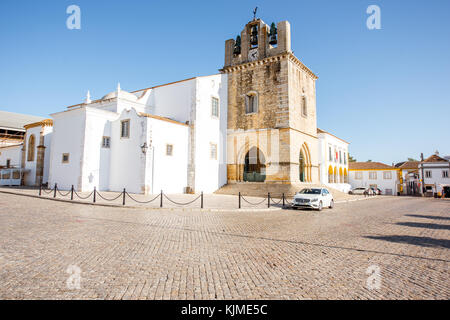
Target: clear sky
x=385, y=91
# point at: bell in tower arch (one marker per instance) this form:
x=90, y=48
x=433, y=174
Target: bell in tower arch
x=254, y=36
x=273, y=34
x=237, y=45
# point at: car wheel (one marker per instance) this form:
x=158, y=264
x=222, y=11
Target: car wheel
x=331, y=204
x=320, y=206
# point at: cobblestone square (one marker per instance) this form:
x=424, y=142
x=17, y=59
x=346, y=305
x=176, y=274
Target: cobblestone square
x=123, y=253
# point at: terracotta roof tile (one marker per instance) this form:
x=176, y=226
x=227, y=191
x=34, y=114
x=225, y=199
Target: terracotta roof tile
x=368, y=166
x=434, y=158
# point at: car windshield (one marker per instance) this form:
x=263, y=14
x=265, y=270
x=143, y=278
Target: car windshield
x=310, y=191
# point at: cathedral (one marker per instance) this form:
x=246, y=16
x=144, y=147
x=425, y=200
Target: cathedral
x=253, y=124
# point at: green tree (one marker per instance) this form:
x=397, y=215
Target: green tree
x=351, y=159
x=412, y=159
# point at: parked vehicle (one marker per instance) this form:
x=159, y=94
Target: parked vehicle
x=315, y=198
x=360, y=190
x=376, y=191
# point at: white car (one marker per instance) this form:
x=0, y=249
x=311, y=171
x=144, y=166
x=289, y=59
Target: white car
x=315, y=198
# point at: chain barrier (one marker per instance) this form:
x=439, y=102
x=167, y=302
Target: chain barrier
x=63, y=195
x=129, y=195
x=253, y=204
x=47, y=191
x=106, y=199
x=275, y=202
x=182, y=204
x=83, y=198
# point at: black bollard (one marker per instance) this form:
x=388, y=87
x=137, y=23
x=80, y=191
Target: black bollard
x=71, y=193
x=95, y=191
x=239, y=200
x=54, y=192
x=201, y=204
x=123, y=200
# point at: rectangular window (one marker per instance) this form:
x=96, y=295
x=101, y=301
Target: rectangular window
x=169, y=149
x=345, y=158
x=65, y=158
x=125, y=129
x=213, y=151
x=373, y=175
x=428, y=174
x=387, y=175
x=340, y=157
x=304, y=107
x=215, y=107
x=445, y=174
x=358, y=175
x=106, y=142
x=251, y=103
x=8, y=163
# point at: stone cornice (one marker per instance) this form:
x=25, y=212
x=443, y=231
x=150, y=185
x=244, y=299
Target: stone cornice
x=279, y=57
x=43, y=123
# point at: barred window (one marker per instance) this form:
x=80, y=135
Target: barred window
x=106, y=142
x=373, y=175
x=169, y=149
x=428, y=174
x=358, y=175
x=125, y=129
x=65, y=158
x=213, y=151
x=215, y=107
x=387, y=175
x=445, y=174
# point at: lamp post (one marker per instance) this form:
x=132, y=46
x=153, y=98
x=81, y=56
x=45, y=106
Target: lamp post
x=144, y=148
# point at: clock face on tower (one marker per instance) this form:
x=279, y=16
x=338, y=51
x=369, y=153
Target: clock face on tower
x=253, y=54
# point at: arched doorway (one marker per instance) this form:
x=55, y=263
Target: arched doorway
x=254, y=166
x=302, y=169
x=304, y=164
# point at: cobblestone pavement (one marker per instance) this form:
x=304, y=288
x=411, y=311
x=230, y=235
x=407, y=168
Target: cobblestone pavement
x=291, y=254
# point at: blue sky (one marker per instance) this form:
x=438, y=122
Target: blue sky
x=385, y=91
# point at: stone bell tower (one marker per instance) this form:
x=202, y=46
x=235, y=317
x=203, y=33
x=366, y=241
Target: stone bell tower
x=272, y=128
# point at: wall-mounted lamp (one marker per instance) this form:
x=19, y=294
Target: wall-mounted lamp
x=144, y=148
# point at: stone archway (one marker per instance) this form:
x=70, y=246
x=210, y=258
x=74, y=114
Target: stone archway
x=304, y=164
x=254, y=166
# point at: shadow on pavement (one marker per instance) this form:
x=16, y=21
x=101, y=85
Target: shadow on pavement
x=427, y=217
x=417, y=241
x=424, y=225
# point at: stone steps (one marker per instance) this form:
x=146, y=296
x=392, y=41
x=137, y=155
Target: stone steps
x=257, y=189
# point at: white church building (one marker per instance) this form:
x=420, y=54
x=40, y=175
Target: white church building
x=167, y=138
x=175, y=137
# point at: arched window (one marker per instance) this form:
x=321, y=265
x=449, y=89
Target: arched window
x=341, y=175
x=304, y=106
x=255, y=166
x=335, y=178
x=330, y=175
x=31, y=147
x=251, y=102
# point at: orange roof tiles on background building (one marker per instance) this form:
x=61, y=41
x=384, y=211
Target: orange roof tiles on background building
x=369, y=166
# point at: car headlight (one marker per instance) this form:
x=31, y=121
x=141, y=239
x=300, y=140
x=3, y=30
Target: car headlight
x=315, y=200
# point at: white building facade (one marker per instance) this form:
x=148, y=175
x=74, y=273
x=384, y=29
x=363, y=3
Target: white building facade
x=434, y=172
x=333, y=161
x=374, y=175
x=168, y=138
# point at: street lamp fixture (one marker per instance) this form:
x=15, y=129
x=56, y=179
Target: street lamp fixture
x=144, y=148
